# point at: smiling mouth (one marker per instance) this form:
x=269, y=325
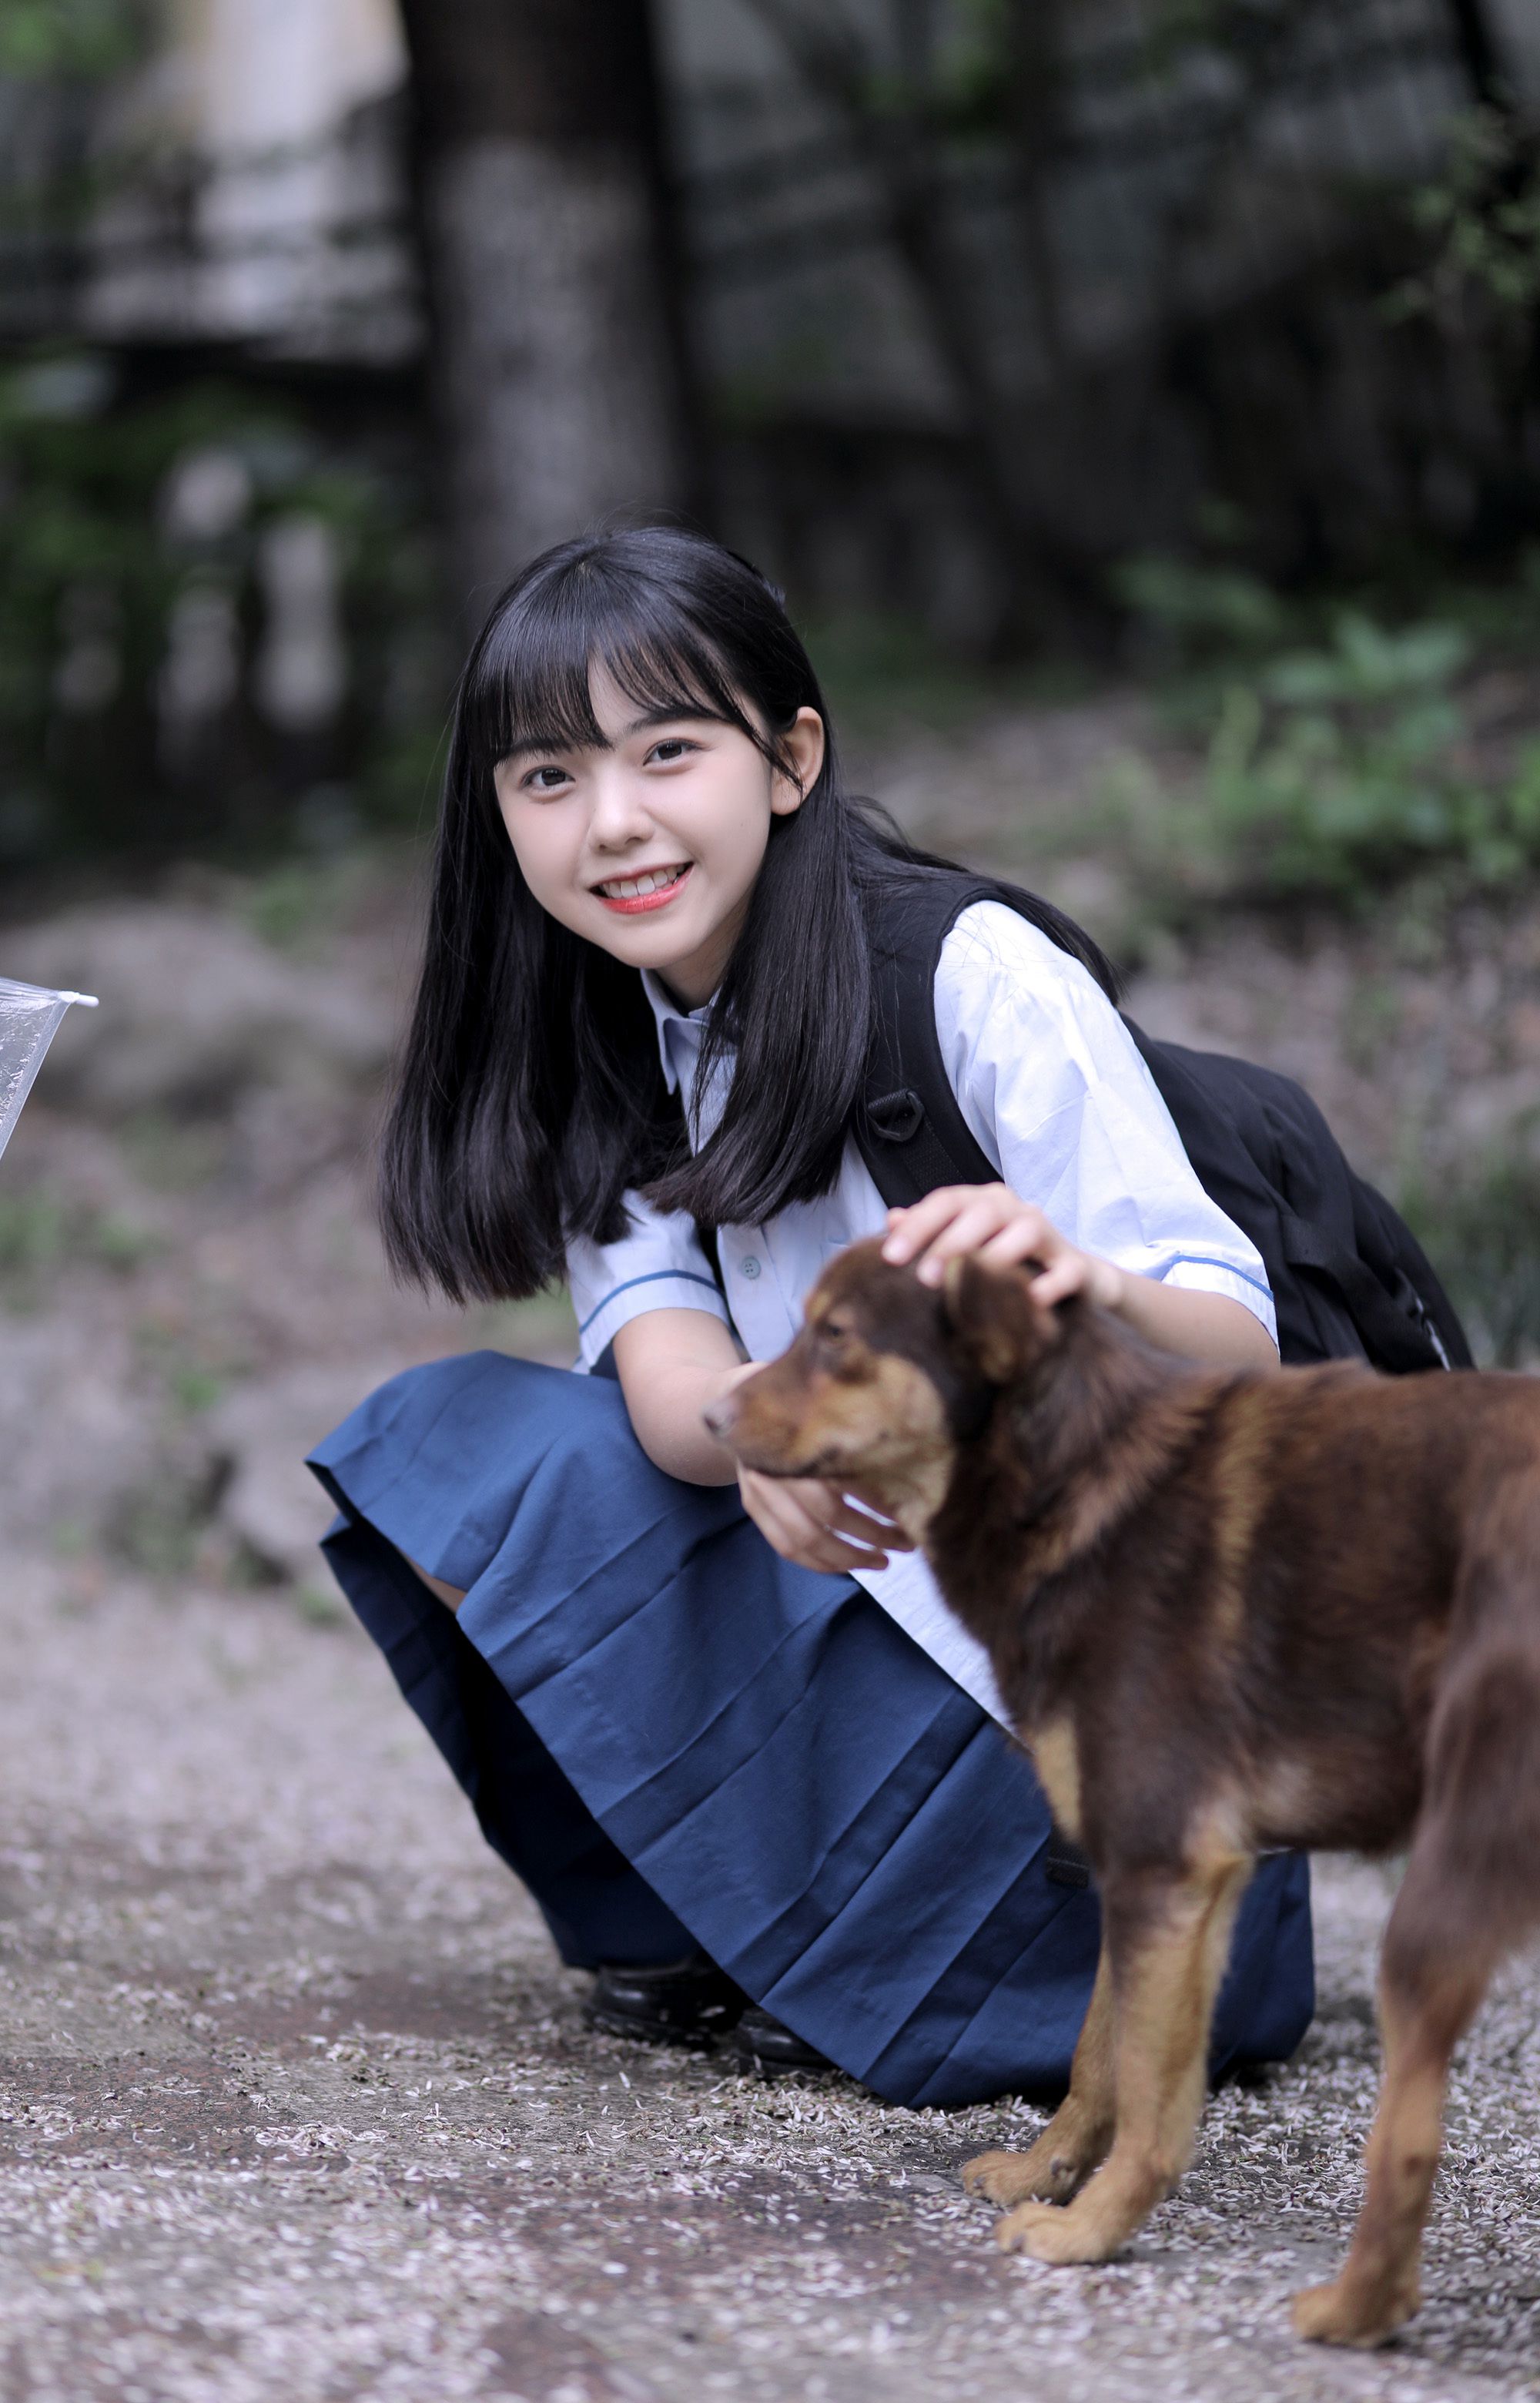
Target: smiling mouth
x=629, y=894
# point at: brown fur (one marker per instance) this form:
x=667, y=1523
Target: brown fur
x=1226, y=1611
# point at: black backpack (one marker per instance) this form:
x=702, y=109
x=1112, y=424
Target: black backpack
x=1348, y=1276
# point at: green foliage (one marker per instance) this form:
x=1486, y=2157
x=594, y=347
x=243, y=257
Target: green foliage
x=193, y=1388
x=175, y=1155
x=298, y=905
x=318, y=1606
x=76, y=39
x=120, y=1242
x=1199, y=609
x=42, y=1234
x=1336, y=768
x=1333, y=768
x=185, y=1366
x=32, y=1238
x=1481, y=220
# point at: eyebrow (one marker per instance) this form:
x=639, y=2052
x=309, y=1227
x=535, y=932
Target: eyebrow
x=524, y=745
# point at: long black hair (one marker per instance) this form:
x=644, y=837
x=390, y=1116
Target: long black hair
x=530, y=1094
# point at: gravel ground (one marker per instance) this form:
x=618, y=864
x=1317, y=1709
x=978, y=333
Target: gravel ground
x=296, y=2103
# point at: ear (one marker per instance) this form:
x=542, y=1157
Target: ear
x=995, y=1318
x=802, y=747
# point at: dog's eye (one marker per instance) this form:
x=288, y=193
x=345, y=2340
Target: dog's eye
x=835, y=1329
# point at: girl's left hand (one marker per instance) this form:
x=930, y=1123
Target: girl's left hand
x=1004, y=1231
x=809, y=1523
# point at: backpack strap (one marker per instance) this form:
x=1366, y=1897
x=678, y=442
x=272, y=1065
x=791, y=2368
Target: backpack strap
x=908, y=1128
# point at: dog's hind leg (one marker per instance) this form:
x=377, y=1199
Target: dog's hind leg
x=1428, y=1995
x=1168, y=1956
x=1468, y=1896
x=1075, y=2140
x=1378, y=2286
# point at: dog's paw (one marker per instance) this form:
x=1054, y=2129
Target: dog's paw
x=1049, y=2234
x=1000, y=2177
x=1353, y=2312
x=1048, y=2172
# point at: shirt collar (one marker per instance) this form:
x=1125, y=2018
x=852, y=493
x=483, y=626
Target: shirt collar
x=667, y=1013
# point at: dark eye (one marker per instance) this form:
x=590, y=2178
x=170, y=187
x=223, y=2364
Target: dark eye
x=671, y=750
x=544, y=780
x=837, y=1330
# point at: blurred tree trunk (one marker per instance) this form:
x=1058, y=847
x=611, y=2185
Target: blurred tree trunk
x=557, y=353
x=1034, y=65
x=1480, y=55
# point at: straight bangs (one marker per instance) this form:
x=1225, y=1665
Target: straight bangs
x=529, y=685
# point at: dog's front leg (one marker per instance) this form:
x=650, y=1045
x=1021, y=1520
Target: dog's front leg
x=1075, y=2139
x=1168, y=1956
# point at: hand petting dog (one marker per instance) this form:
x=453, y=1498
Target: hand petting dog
x=1002, y=1231
x=1005, y=1232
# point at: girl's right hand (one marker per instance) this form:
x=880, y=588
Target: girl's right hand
x=809, y=1523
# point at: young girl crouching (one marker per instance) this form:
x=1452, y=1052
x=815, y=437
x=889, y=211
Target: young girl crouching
x=724, y=1727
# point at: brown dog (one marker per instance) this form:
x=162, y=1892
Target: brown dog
x=1226, y=1611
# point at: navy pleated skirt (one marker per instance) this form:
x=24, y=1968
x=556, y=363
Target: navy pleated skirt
x=677, y=1739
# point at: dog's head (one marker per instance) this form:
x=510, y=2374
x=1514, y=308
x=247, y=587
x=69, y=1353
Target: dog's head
x=887, y=1377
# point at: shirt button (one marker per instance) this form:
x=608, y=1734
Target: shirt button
x=750, y=1267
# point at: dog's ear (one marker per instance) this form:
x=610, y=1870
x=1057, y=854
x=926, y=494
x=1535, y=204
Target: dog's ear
x=991, y=1312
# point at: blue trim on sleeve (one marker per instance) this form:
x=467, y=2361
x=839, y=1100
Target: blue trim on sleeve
x=654, y=1276
x=1203, y=1260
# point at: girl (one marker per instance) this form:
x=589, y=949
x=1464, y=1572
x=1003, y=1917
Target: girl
x=723, y=1729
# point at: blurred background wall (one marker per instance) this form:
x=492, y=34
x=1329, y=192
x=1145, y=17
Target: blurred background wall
x=974, y=318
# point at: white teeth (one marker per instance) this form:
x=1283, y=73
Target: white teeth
x=631, y=888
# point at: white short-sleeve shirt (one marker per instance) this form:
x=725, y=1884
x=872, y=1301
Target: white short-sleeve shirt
x=1055, y=1095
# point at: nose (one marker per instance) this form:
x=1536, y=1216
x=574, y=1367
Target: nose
x=619, y=817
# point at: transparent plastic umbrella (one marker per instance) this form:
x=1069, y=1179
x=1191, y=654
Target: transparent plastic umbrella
x=30, y=1017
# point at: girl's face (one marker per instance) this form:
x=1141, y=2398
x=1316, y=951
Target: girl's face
x=651, y=847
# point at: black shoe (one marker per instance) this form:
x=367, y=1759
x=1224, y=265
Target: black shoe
x=690, y=2002
x=767, y=2048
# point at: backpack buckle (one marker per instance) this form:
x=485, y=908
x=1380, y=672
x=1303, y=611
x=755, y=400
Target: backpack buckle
x=897, y=1117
